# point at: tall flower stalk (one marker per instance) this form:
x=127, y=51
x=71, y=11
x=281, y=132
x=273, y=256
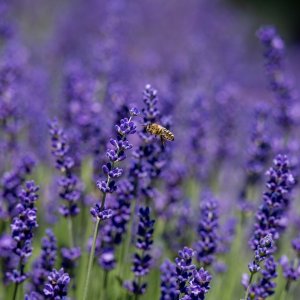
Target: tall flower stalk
x=115, y=155
x=269, y=226
x=68, y=182
x=207, y=243
x=142, y=258
x=22, y=229
x=274, y=55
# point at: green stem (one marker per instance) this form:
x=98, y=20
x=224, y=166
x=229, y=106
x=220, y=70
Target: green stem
x=70, y=226
x=15, y=291
x=91, y=259
x=284, y=292
x=105, y=280
x=249, y=285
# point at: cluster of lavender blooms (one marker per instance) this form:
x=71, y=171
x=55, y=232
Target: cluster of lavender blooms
x=291, y=268
x=22, y=228
x=206, y=246
x=69, y=190
x=113, y=231
x=57, y=285
x=268, y=228
x=114, y=155
x=142, y=258
x=272, y=213
x=68, y=182
x=44, y=264
x=274, y=63
x=259, y=153
x=11, y=182
x=149, y=161
x=182, y=280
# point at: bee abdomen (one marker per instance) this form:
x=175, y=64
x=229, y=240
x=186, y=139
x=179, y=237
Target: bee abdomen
x=168, y=135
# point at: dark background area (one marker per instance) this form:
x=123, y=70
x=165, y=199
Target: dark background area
x=285, y=14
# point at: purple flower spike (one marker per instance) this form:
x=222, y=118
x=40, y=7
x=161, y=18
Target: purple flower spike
x=96, y=212
x=43, y=265
x=275, y=204
x=142, y=259
x=291, y=269
x=184, y=267
x=57, y=285
x=168, y=281
x=11, y=183
x=68, y=182
x=22, y=228
x=274, y=51
x=206, y=246
x=199, y=284
x=265, y=287
x=112, y=172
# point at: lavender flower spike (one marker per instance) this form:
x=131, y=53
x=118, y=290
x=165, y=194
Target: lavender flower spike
x=206, y=246
x=274, y=49
x=68, y=182
x=275, y=203
x=168, y=281
x=115, y=154
x=142, y=258
x=57, y=285
x=184, y=268
x=44, y=264
x=22, y=228
x=199, y=285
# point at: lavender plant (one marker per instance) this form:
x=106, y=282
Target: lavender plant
x=112, y=172
x=22, y=228
x=142, y=258
x=226, y=124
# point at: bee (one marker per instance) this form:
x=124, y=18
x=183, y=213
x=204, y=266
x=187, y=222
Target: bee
x=162, y=132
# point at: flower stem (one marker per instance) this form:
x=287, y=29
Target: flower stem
x=104, y=288
x=248, y=288
x=70, y=225
x=91, y=260
x=15, y=291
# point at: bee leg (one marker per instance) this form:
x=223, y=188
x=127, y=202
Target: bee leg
x=163, y=141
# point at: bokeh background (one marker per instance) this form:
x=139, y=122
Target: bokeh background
x=85, y=62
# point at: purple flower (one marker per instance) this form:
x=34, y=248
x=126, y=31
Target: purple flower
x=69, y=257
x=57, y=285
x=265, y=287
x=207, y=243
x=275, y=203
x=199, y=284
x=114, y=229
x=260, y=150
x=22, y=228
x=103, y=214
x=184, y=268
x=296, y=245
x=44, y=264
x=142, y=258
x=68, y=182
x=112, y=172
x=261, y=253
x=291, y=269
x=11, y=182
x=274, y=49
x=168, y=278
x=107, y=259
